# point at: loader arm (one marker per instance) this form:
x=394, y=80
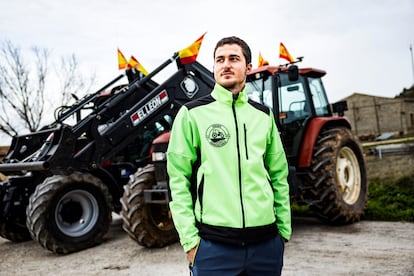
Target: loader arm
x=126, y=117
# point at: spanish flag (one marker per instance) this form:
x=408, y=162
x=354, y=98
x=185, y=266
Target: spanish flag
x=122, y=62
x=262, y=62
x=284, y=53
x=189, y=54
x=133, y=63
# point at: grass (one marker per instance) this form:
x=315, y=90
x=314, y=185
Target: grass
x=391, y=200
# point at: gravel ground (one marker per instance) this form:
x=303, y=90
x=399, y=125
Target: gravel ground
x=364, y=248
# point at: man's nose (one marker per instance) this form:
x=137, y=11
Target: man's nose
x=226, y=63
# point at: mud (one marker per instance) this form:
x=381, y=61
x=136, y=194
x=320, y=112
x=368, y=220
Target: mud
x=364, y=248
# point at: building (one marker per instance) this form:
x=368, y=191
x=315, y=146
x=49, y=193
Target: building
x=373, y=115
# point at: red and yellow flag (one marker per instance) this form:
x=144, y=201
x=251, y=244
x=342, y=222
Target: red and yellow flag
x=262, y=62
x=122, y=62
x=133, y=63
x=284, y=53
x=189, y=54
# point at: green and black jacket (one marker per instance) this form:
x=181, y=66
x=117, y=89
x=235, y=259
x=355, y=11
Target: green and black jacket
x=242, y=194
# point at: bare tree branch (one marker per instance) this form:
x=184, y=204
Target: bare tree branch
x=72, y=82
x=23, y=87
x=25, y=98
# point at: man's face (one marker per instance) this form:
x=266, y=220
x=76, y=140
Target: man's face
x=230, y=67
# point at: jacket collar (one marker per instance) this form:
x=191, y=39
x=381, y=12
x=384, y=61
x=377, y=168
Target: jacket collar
x=223, y=95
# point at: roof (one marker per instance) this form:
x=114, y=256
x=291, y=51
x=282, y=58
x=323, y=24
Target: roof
x=396, y=99
x=366, y=95
x=309, y=71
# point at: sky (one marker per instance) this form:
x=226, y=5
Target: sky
x=363, y=45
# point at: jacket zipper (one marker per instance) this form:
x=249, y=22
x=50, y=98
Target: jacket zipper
x=233, y=106
x=245, y=141
x=200, y=197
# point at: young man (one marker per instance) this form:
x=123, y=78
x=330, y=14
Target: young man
x=232, y=209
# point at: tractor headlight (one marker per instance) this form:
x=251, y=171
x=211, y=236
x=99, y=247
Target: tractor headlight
x=159, y=156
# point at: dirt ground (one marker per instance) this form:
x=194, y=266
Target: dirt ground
x=364, y=248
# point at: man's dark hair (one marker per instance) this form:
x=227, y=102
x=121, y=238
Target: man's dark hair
x=235, y=40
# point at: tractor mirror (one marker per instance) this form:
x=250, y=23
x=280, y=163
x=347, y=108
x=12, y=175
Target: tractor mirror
x=293, y=73
x=340, y=107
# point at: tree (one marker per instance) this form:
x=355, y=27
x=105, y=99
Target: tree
x=71, y=80
x=407, y=93
x=23, y=87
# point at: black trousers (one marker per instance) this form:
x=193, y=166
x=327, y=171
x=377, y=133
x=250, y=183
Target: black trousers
x=219, y=259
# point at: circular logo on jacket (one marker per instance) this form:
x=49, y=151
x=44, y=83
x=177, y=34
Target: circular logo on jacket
x=217, y=135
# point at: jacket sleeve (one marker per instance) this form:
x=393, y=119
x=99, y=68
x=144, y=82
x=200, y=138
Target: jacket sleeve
x=277, y=166
x=181, y=155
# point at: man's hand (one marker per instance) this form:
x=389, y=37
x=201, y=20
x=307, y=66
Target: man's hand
x=190, y=255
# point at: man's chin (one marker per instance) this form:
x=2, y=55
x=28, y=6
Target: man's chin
x=227, y=85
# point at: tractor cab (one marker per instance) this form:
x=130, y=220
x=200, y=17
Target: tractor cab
x=295, y=96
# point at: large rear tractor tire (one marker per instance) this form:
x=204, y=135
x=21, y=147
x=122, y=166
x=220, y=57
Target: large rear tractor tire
x=337, y=181
x=150, y=225
x=69, y=213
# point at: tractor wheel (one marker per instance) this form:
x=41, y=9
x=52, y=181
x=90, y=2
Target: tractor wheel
x=13, y=232
x=69, y=213
x=150, y=225
x=337, y=182
x=13, y=214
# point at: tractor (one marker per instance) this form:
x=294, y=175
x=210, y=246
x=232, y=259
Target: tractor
x=65, y=181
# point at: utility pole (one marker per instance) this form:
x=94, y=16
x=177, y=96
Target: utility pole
x=412, y=60
x=376, y=115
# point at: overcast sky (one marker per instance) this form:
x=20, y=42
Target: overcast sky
x=362, y=44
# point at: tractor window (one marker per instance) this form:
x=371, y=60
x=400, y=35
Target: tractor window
x=292, y=101
x=318, y=96
x=260, y=91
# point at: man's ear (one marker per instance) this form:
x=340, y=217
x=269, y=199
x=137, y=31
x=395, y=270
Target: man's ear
x=249, y=67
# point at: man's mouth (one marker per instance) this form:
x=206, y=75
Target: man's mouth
x=227, y=73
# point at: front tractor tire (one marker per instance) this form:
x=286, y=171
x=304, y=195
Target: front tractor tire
x=149, y=224
x=69, y=213
x=337, y=182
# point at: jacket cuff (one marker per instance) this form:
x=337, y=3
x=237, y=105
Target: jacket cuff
x=190, y=245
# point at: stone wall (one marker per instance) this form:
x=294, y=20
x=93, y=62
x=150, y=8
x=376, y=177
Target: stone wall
x=371, y=115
